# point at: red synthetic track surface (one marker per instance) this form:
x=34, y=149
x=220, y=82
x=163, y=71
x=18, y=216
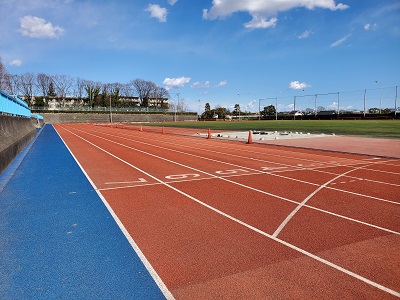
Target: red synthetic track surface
x=228, y=220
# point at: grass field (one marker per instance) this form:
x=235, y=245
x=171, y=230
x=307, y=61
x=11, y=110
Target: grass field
x=366, y=128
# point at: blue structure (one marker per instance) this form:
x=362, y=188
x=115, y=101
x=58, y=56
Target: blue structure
x=13, y=106
x=58, y=239
x=37, y=116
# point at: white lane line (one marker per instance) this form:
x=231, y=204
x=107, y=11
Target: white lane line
x=258, y=171
x=157, y=279
x=140, y=180
x=239, y=184
x=294, y=212
x=274, y=170
x=382, y=171
x=291, y=246
x=319, y=163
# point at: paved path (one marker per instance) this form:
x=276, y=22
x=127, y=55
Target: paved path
x=57, y=238
x=357, y=145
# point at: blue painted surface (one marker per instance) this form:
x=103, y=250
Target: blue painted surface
x=57, y=239
x=13, y=105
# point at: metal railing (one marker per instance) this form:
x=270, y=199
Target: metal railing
x=13, y=106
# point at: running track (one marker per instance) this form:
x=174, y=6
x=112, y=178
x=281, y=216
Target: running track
x=225, y=219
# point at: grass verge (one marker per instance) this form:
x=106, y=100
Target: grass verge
x=366, y=128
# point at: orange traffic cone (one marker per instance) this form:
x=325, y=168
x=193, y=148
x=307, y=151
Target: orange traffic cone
x=141, y=129
x=162, y=130
x=250, y=139
x=209, y=134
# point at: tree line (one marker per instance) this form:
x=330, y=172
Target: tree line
x=39, y=89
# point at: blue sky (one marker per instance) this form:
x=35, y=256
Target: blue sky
x=222, y=52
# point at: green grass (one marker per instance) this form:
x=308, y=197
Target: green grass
x=366, y=128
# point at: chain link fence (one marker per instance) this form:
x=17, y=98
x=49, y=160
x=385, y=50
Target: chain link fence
x=368, y=101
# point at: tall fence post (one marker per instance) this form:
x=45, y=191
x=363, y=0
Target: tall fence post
x=365, y=95
x=395, y=103
x=315, y=106
x=294, y=108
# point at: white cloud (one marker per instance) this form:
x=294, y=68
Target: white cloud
x=260, y=22
x=306, y=34
x=16, y=62
x=175, y=83
x=297, y=85
x=35, y=27
x=265, y=9
x=338, y=42
x=251, y=104
x=369, y=26
x=222, y=83
x=172, y=2
x=199, y=85
x=158, y=12
x=333, y=105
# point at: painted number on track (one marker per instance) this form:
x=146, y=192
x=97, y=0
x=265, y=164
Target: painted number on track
x=231, y=172
x=182, y=176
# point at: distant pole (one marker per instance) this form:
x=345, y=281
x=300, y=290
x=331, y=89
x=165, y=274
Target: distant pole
x=276, y=109
x=294, y=108
x=395, y=103
x=365, y=95
x=338, y=104
x=315, y=106
x=176, y=106
x=110, y=111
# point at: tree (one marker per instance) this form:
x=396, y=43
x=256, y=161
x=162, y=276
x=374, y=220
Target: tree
x=52, y=91
x=269, y=111
x=207, y=114
x=92, y=90
x=79, y=88
x=3, y=76
x=63, y=84
x=160, y=94
x=220, y=111
x=27, y=84
x=374, y=110
x=143, y=89
x=44, y=83
x=236, y=110
x=13, y=84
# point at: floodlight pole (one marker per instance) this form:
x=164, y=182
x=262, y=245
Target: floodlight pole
x=110, y=111
x=365, y=95
x=176, y=94
x=315, y=106
x=294, y=108
x=395, y=104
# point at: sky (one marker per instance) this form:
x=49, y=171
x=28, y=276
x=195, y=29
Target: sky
x=222, y=52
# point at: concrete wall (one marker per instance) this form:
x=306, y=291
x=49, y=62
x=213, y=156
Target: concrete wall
x=51, y=118
x=15, y=134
